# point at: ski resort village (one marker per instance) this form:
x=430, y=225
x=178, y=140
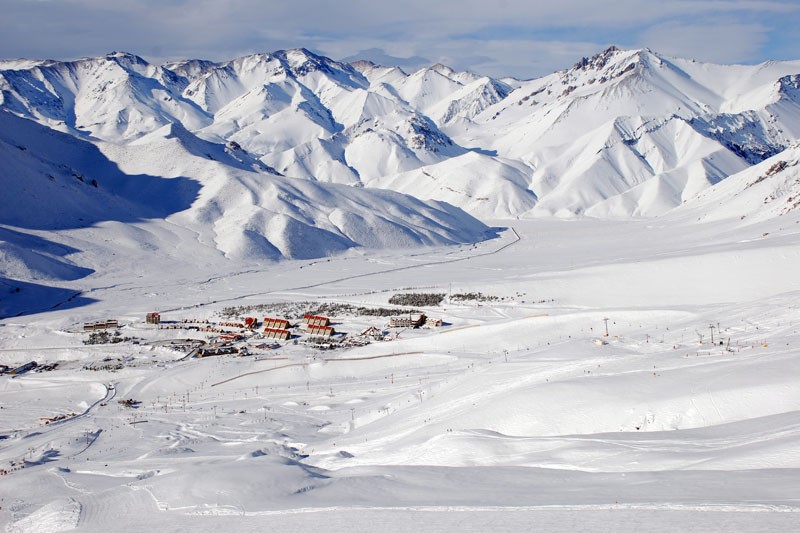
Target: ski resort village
x=279, y=340
x=287, y=293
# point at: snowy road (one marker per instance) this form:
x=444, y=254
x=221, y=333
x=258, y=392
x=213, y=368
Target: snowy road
x=515, y=238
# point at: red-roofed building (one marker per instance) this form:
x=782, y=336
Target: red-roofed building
x=274, y=333
x=276, y=323
x=320, y=331
x=314, y=320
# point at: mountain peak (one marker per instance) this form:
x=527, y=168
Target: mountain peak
x=363, y=64
x=302, y=61
x=610, y=64
x=190, y=68
x=300, y=55
x=443, y=70
x=126, y=58
x=597, y=61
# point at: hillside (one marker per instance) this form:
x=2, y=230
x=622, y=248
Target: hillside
x=767, y=191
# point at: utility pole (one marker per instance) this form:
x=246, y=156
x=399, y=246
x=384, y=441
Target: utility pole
x=606, y=322
x=711, y=327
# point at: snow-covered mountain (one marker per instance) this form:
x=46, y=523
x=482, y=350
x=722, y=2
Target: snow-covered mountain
x=230, y=202
x=292, y=154
x=626, y=132
x=635, y=133
x=765, y=191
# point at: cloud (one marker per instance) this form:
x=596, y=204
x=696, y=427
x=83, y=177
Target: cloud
x=501, y=37
x=380, y=57
x=724, y=42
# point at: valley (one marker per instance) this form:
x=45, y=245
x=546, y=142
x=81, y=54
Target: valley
x=284, y=291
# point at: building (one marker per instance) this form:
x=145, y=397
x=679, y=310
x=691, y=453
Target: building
x=433, y=322
x=224, y=349
x=251, y=322
x=413, y=320
x=103, y=324
x=277, y=333
x=153, y=318
x=373, y=333
x=314, y=320
x=276, y=323
x=320, y=331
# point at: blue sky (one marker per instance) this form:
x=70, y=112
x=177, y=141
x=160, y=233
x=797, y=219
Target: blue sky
x=495, y=37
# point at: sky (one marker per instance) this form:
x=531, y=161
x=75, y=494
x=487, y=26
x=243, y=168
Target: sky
x=517, y=38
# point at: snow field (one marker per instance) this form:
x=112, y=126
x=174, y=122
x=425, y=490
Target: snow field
x=511, y=414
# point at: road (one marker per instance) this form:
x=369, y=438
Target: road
x=516, y=238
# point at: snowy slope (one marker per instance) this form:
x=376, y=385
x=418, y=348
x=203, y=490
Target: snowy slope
x=485, y=186
x=470, y=100
x=230, y=200
x=765, y=191
x=58, y=181
x=513, y=416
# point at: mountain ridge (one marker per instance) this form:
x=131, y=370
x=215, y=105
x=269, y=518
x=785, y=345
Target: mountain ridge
x=284, y=147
